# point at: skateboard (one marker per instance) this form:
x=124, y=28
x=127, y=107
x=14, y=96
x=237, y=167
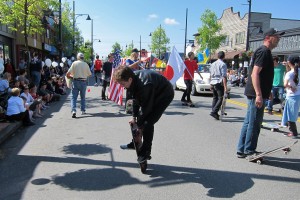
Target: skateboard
x=223, y=106
x=260, y=157
x=188, y=104
x=137, y=141
x=272, y=126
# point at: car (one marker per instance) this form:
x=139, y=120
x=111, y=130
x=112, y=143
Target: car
x=201, y=86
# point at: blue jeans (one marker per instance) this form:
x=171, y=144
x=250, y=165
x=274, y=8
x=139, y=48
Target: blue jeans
x=275, y=90
x=78, y=87
x=36, y=78
x=251, y=128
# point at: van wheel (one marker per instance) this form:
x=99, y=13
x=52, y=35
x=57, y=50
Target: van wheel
x=194, y=91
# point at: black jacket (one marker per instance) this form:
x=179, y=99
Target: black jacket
x=148, y=89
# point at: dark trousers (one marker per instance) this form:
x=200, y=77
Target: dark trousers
x=23, y=116
x=293, y=128
x=160, y=105
x=188, y=90
x=104, y=86
x=218, y=93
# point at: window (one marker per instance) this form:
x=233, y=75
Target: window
x=226, y=41
x=240, y=38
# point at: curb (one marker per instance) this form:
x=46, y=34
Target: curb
x=8, y=130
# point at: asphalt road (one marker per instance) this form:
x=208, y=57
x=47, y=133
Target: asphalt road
x=193, y=156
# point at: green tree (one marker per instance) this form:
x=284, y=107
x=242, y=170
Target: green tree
x=128, y=50
x=26, y=15
x=67, y=29
x=116, y=46
x=209, y=32
x=159, y=41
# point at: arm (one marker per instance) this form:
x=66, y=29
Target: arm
x=256, y=85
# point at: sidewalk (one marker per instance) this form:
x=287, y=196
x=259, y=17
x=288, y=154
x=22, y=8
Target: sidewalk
x=7, y=129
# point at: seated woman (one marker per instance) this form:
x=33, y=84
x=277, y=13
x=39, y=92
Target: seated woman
x=16, y=110
x=32, y=104
x=4, y=83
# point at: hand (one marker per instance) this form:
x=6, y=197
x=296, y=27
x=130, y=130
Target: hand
x=258, y=101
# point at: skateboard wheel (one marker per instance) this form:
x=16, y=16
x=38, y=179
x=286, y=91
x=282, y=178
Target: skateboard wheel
x=272, y=129
x=259, y=162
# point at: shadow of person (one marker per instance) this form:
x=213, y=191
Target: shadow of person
x=86, y=149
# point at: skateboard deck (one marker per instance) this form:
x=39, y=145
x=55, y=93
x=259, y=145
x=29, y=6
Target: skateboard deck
x=137, y=141
x=272, y=126
x=259, y=157
x=223, y=106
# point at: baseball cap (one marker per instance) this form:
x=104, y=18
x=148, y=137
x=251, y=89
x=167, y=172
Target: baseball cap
x=272, y=31
x=135, y=50
x=80, y=55
x=293, y=59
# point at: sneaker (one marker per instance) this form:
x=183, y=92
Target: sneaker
x=96, y=84
x=240, y=155
x=127, y=146
x=214, y=115
x=73, y=114
x=83, y=112
x=144, y=158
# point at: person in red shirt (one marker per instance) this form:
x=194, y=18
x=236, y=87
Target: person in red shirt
x=97, y=70
x=188, y=76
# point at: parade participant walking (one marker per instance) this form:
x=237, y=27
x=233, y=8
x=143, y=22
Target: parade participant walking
x=188, y=76
x=257, y=90
x=106, y=73
x=79, y=73
x=292, y=102
x=152, y=93
x=97, y=70
x=277, y=89
x=218, y=74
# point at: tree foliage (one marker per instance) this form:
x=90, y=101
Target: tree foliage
x=116, y=46
x=128, y=50
x=159, y=41
x=209, y=36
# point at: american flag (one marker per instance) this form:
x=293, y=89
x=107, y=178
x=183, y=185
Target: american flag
x=116, y=90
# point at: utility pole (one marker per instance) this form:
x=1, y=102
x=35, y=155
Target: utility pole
x=186, y=16
x=248, y=26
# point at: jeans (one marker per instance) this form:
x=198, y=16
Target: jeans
x=218, y=93
x=251, y=128
x=78, y=87
x=275, y=90
x=36, y=78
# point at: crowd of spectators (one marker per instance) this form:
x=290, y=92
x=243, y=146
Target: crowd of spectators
x=22, y=99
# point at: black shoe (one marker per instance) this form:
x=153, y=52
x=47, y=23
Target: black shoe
x=240, y=155
x=214, y=115
x=143, y=158
x=127, y=146
x=73, y=114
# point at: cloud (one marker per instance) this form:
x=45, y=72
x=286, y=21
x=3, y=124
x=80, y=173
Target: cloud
x=170, y=21
x=152, y=16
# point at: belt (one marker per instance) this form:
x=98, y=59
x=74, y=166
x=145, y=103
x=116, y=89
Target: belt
x=79, y=79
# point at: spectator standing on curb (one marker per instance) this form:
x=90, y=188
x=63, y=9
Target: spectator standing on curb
x=35, y=69
x=257, y=90
x=277, y=89
x=106, y=73
x=79, y=73
x=97, y=70
x=292, y=103
x=218, y=73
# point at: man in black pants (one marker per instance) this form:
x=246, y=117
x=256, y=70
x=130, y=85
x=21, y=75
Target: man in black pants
x=152, y=93
x=106, y=73
x=218, y=73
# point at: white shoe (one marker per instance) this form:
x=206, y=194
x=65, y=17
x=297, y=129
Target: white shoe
x=83, y=112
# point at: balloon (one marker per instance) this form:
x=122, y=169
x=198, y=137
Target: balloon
x=54, y=64
x=61, y=64
x=43, y=64
x=48, y=62
x=72, y=58
x=63, y=59
x=69, y=62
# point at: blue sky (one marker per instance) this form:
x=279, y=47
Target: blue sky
x=124, y=21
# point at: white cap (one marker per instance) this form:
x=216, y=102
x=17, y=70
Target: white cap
x=80, y=55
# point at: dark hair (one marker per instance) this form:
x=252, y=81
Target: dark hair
x=190, y=54
x=221, y=55
x=22, y=71
x=275, y=58
x=97, y=56
x=123, y=74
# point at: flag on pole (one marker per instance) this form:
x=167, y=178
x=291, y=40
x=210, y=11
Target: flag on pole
x=175, y=67
x=115, y=89
x=203, y=57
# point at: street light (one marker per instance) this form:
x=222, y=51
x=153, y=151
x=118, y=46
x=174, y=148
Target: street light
x=248, y=26
x=74, y=21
